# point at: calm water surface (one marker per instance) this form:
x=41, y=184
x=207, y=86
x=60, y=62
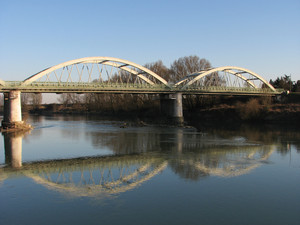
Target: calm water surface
x=75, y=170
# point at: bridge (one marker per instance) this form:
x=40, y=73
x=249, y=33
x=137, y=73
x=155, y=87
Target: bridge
x=113, y=75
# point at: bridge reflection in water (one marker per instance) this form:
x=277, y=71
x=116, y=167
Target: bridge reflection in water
x=13, y=148
x=195, y=158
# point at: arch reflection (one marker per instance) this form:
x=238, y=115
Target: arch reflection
x=96, y=176
x=188, y=154
x=220, y=162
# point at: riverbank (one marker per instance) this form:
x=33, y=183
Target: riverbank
x=225, y=112
x=252, y=111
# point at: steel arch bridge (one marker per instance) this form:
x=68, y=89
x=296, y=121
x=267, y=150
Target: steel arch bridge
x=114, y=75
x=91, y=74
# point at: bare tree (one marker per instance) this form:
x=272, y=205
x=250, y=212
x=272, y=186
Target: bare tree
x=35, y=100
x=184, y=66
x=187, y=65
x=159, y=68
x=25, y=99
x=214, y=80
x=1, y=99
x=70, y=98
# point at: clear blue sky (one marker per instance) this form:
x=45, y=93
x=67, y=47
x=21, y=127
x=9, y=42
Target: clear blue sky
x=260, y=35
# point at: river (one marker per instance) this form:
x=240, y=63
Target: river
x=84, y=170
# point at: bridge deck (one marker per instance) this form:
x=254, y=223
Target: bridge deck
x=76, y=87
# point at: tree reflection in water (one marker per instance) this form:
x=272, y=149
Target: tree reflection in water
x=139, y=156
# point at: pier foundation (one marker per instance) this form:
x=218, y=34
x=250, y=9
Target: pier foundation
x=171, y=106
x=12, y=113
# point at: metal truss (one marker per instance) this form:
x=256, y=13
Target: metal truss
x=227, y=76
x=113, y=75
x=98, y=70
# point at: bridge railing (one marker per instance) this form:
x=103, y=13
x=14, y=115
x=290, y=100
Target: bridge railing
x=127, y=87
x=229, y=89
x=12, y=83
x=66, y=85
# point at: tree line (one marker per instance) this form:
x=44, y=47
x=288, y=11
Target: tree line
x=285, y=82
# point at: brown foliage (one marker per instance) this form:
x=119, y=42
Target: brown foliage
x=160, y=69
x=250, y=110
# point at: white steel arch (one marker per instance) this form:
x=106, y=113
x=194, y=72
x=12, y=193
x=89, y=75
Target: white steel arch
x=111, y=61
x=228, y=69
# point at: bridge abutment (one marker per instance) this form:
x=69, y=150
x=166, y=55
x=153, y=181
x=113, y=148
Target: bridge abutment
x=12, y=113
x=171, y=106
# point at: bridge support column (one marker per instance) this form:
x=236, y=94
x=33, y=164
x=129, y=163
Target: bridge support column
x=12, y=117
x=171, y=106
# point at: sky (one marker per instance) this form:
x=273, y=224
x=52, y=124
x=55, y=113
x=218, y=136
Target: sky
x=260, y=35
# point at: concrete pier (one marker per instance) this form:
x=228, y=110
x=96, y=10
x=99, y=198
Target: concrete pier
x=12, y=117
x=171, y=106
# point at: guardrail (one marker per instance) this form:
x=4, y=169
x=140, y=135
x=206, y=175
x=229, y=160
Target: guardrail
x=127, y=87
x=18, y=84
x=230, y=89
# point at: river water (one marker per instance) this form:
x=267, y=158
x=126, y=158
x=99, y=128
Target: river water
x=80, y=170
